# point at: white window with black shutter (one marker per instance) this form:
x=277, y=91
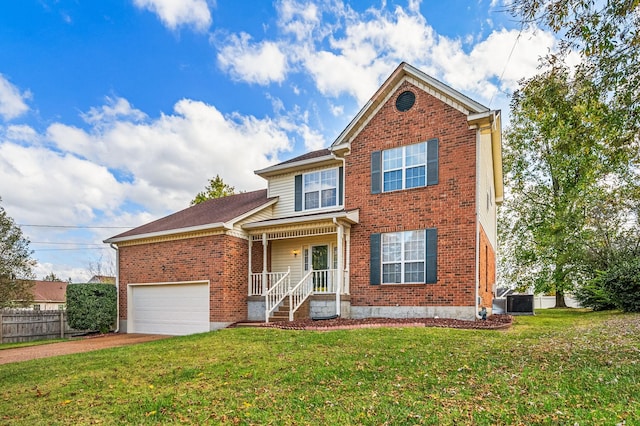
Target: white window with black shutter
x=408, y=257
x=320, y=189
x=405, y=167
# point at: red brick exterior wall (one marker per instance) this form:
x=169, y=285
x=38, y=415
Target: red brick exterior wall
x=448, y=206
x=257, y=254
x=486, y=271
x=221, y=259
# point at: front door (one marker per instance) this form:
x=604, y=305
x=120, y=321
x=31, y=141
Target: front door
x=320, y=262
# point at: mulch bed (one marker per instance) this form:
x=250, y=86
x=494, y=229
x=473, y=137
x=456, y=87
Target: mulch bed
x=493, y=322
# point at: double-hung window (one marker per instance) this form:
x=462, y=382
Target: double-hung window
x=407, y=257
x=404, y=167
x=403, y=257
x=320, y=189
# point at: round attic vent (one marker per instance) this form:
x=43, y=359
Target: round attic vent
x=405, y=101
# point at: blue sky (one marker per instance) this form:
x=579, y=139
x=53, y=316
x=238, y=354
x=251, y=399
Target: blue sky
x=116, y=113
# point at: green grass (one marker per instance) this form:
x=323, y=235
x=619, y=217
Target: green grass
x=31, y=343
x=559, y=367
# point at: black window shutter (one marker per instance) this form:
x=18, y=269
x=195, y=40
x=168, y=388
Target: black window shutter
x=432, y=162
x=431, y=274
x=375, y=260
x=340, y=185
x=376, y=172
x=298, y=193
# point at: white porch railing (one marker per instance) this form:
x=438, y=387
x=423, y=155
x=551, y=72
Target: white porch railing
x=263, y=281
x=300, y=293
x=276, y=294
x=325, y=281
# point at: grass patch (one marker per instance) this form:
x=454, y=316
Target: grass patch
x=31, y=343
x=559, y=367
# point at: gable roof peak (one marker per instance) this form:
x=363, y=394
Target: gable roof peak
x=403, y=72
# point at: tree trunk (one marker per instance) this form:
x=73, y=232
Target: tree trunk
x=560, y=303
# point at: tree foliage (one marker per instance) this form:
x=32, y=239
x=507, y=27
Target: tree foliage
x=215, y=189
x=557, y=159
x=52, y=277
x=16, y=265
x=606, y=34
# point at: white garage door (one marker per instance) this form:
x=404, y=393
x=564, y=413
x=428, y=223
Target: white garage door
x=175, y=309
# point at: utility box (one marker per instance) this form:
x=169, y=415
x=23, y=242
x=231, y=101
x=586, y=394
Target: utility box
x=520, y=304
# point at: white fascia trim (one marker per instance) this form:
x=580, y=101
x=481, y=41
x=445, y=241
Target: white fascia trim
x=209, y=226
x=269, y=171
x=352, y=216
x=475, y=120
x=446, y=90
x=232, y=222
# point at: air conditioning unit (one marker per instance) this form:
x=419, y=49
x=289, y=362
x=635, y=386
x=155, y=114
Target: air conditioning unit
x=520, y=304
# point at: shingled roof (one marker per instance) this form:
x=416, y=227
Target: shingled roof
x=213, y=212
x=50, y=291
x=307, y=156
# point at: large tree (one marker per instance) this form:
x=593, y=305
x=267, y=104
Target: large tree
x=606, y=35
x=16, y=265
x=558, y=158
x=216, y=188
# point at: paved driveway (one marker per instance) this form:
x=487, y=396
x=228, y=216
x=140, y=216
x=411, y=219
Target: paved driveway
x=75, y=346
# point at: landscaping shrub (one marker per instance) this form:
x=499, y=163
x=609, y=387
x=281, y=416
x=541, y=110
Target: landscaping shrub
x=593, y=295
x=92, y=306
x=622, y=283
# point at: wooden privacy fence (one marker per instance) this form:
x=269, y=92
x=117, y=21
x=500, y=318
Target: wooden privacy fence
x=21, y=325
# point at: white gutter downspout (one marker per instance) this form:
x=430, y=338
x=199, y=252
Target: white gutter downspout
x=115, y=247
x=477, y=212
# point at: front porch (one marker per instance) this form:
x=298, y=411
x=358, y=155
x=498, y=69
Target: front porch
x=302, y=268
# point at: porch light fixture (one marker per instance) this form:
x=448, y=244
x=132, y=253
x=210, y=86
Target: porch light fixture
x=295, y=252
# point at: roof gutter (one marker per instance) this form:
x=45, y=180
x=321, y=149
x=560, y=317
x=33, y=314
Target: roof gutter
x=115, y=247
x=279, y=168
x=352, y=216
x=209, y=226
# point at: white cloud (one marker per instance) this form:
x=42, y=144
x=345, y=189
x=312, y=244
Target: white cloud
x=12, y=102
x=118, y=108
x=169, y=159
x=260, y=63
x=174, y=13
x=350, y=53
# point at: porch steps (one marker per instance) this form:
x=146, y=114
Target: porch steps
x=282, y=314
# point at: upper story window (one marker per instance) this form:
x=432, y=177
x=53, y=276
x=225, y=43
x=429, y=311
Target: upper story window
x=320, y=189
x=405, y=167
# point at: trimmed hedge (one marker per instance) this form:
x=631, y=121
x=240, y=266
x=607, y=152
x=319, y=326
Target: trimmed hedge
x=92, y=306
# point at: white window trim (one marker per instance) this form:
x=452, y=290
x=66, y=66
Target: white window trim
x=320, y=207
x=402, y=260
x=403, y=168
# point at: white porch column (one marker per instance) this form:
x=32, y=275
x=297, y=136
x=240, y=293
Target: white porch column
x=249, y=289
x=340, y=266
x=264, y=262
x=347, y=262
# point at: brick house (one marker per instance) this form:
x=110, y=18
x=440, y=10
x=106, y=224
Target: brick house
x=397, y=218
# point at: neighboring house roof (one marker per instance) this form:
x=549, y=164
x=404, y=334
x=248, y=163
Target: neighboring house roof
x=211, y=214
x=317, y=158
x=50, y=291
x=102, y=279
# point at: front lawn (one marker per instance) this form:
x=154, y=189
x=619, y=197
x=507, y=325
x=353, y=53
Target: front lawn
x=559, y=367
